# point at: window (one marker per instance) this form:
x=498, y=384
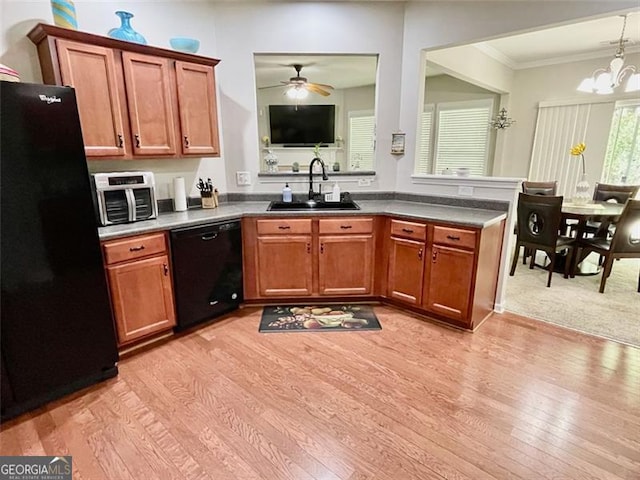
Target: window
x=461, y=137
x=622, y=160
x=362, y=127
x=425, y=135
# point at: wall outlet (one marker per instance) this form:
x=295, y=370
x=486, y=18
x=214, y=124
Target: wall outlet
x=466, y=191
x=243, y=178
x=364, y=182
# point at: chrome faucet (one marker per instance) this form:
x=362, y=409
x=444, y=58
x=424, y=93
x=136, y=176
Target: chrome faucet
x=324, y=175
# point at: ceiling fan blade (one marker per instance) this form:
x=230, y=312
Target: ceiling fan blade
x=315, y=89
x=321, y=85
x=271, y=86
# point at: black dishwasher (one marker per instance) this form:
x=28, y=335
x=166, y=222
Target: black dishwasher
x=207, y=271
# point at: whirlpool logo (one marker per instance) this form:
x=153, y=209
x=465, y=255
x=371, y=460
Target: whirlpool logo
x=50, y=100
x=35, y=468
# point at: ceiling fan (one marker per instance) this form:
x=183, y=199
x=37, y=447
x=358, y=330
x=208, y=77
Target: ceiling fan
x=299, y=87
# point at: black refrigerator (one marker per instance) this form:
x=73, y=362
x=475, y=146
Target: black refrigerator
x=56, y=330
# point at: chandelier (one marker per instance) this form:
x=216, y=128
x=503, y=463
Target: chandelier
x=502, y=121
x=604, y=80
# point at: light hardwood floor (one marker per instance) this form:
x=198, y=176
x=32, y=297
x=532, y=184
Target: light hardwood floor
x=416, y=400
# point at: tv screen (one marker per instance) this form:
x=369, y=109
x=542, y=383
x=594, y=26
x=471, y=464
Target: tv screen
x=304, y=125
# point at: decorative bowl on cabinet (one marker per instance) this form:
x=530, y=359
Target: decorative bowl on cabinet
x=185, y=44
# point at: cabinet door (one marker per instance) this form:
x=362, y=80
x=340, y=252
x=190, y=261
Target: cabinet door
x=345, y=264
x=406, y=269
x=198, y=111
x=142, y=297
x=92, y=71
x=284, y=266
x=149, y=97
x=448, y=289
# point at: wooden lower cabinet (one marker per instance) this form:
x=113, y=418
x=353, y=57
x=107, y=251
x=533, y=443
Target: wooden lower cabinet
x=406, y=270
x=139, y=276
x=284, y=267
x=345, y=264
x=448, y=286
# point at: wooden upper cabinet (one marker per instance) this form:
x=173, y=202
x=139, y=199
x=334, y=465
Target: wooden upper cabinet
x=135, y=101
x=91, y=70
x=148, y=85
x=197, y=107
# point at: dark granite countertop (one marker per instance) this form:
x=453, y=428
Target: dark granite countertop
x=453, y=215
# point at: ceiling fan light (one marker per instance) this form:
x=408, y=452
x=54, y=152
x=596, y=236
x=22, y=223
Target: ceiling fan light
x=297, y=93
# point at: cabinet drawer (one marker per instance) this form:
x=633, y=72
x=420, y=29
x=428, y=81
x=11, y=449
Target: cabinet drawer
x=415, y=231
x=284, y=226
x=455, y=237
x=132, y=248
x=345, y=225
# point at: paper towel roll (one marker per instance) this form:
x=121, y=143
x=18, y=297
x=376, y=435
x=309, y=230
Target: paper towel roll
x=179, y=195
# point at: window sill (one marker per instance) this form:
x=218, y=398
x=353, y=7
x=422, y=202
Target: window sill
x=330, y=173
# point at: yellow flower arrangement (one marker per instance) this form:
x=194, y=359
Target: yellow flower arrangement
x=579, y=150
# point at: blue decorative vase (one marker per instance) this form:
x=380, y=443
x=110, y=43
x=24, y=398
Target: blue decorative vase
x=124, y=31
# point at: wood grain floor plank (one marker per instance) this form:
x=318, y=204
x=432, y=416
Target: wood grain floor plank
x=517, y=399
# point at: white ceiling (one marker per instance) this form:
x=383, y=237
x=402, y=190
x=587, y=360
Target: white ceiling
x=577, y=41
x=339, y=71
x=572, y=42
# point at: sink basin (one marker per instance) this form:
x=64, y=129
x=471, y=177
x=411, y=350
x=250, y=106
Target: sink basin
x=313, y=205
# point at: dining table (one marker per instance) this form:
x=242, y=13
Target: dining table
x=578, y=215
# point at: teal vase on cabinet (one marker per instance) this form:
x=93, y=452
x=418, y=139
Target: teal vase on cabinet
x=125, y=31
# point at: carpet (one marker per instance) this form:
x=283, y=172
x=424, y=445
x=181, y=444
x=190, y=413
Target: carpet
x=318, y=318
x=576, y=304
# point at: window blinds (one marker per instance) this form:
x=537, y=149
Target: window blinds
x=361, y=140
x=558, y=127
x=462, y=138
x=423, y=165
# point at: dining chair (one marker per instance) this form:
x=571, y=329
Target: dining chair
x=538, y=226
x=606, y=192
x=625, y=242
x=537, y=188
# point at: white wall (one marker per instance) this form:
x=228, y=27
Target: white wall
x=435, y=25
x=328, y=28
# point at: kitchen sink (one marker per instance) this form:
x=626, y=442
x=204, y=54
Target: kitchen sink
x=313, y=205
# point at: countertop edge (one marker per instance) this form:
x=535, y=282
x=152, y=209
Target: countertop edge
x=236, y=211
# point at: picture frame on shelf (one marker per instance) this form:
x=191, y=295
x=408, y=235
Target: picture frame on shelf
x=397, y=143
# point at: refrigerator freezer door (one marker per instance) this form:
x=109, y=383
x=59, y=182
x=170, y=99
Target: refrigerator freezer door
x=57, y=329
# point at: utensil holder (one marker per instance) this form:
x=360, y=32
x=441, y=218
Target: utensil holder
x=208, y=201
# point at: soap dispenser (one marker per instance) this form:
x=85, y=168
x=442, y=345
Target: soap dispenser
x=336, y=192
x=286, y=193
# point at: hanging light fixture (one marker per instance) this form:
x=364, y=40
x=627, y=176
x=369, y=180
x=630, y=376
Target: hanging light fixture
x=604, y=80
x=502, y=121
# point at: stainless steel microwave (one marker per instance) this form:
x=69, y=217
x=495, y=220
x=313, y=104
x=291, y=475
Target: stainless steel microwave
x=123, y=197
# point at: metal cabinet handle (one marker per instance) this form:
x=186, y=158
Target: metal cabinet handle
x=136, y=249
x=308, y=248
x=284, y=227
x=407, y=230
x=434, y=257
x=120, y=141
x=420, y=254
x=137, y=137
x=165, y=267
x=345, y=227
x=322, y=248
x=186, y=141
x=453, y=237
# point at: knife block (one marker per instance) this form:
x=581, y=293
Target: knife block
x=208, y=201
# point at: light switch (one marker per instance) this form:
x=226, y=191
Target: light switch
x=466, y=191
x=243, y=178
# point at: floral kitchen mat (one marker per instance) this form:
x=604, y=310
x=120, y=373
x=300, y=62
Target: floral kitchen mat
x=301, y=318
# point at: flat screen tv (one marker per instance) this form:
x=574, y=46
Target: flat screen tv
x=304, y=125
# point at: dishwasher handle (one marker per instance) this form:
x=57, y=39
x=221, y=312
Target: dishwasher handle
x=209, y=236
